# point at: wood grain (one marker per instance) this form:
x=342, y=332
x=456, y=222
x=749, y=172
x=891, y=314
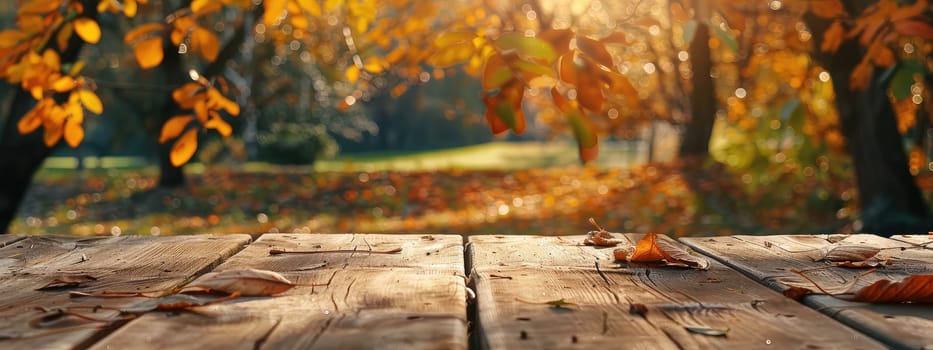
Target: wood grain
x=5, y=240
x=127, y=263
x=414, y=299
x=514, y=275
x=925, y=241
x=770, y=259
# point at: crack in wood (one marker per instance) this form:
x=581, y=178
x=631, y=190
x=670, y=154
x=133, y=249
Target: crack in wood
x=257, y=345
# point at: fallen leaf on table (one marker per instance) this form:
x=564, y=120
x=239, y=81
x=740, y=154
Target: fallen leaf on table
x=167, y=302
x=174, y=302
x=911, y=289
x=651, y=249
x=797, y=292
x=68, y=282
x=247, y=282
x=914, y=288
x=861, y=264
x=847, y=252
x=710, y=331
x=601, y=237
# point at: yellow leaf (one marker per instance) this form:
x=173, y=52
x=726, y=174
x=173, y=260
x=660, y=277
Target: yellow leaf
x=87, y=29
x=217, y=123
x=197, y=5
x=38, y=7
x=11, y=37
x=64, y=34
x=76, y=68
x=353, y=73
x=173, y=127
x=311, y=7
x=827, y=8
x=130, y=7
x=184, y=148
x=833, y=37
x=54, y=126
x=148, y=52
x=375, y=65
x=206, y=42
x=33, y=119
x=74, y=133
x=90, y=101
x=141, y=31
x=200, y=110
x=274, y=10
x=65, y=83
x=187, y=94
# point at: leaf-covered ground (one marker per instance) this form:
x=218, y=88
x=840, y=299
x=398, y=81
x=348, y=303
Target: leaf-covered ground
x=656, y=197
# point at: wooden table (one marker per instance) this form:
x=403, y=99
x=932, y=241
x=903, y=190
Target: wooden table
x=451, y=292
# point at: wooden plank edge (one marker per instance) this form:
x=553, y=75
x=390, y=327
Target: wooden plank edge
x=10, y=239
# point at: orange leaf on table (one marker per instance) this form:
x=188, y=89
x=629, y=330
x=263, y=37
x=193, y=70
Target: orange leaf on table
x=847, y=252
x=651, y=249
x=246, y=282
x=914, y=288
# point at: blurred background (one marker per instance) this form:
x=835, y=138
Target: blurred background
x=712, y=117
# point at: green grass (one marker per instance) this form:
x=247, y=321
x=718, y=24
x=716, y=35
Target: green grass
x=488, y=156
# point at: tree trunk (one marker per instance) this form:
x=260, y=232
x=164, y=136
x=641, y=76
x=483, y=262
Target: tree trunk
x=20, y=158
x=696, y=138
x=170, y=176
x=22, y=155
x=890, y=201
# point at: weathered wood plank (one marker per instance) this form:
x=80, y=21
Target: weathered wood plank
x=770, y=259
x=126, y=263
x=512, y=273
x=925, y=241
x=5, y=240
x=414, y=299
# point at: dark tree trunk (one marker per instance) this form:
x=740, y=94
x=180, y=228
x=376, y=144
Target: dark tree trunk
x=890, y=201
x=22, y=155
x=699, y=129
x=20, y=158
x=169, y=175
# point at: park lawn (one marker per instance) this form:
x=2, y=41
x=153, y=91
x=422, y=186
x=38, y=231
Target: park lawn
x=442, y=194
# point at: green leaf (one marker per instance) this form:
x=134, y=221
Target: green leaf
x=903, y=78
x=527, y=46
x=506, y=113
x=727, y=38
x=582, y=129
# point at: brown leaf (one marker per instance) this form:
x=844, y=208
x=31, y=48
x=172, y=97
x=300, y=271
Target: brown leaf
x=797, y=292
x=914, y=288
x=601, y=237
x=651, y=249
x=68, y=282
x=171, y=302
x=247, y=282
x=847, y=252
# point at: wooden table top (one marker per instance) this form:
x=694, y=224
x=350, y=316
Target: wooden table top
x=451, y=292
